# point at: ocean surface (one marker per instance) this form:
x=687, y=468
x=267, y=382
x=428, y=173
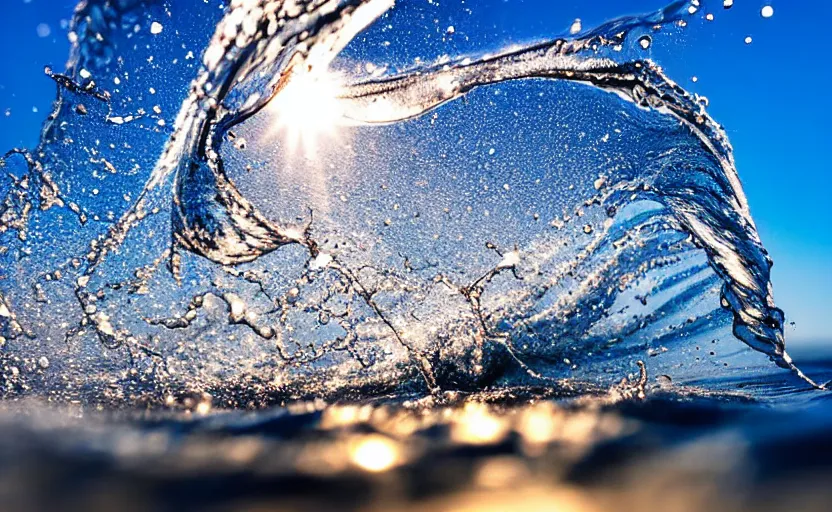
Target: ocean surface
x=520, y=448
x=287, y=255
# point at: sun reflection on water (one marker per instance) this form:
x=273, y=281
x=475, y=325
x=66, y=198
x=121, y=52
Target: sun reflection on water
x=374, y=453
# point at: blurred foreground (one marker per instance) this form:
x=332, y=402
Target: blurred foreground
x=522, y=449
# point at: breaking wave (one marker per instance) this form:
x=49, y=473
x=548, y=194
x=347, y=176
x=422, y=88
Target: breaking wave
x=312, y=223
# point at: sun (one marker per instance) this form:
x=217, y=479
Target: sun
x=306, y=112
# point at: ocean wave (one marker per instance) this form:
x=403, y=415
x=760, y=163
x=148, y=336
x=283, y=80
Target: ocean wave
x=547, y=214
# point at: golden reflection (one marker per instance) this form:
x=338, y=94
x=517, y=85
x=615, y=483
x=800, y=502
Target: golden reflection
x=405, y=433
x=501, y=472
x=476, y=424
x=344, y=415
x=538, y=424
x=525, y=498
x=375, y=453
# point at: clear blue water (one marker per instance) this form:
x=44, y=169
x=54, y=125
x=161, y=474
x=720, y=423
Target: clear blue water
x=535, y=264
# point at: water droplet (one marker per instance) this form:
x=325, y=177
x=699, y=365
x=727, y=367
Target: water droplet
x=43, y=30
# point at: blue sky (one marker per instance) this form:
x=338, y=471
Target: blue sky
x=770, y=95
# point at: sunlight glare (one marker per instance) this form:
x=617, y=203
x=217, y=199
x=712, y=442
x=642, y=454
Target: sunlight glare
x=306, y=112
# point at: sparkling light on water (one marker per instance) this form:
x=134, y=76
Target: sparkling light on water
x=374, y=453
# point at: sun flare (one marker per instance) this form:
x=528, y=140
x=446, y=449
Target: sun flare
x=306, y=112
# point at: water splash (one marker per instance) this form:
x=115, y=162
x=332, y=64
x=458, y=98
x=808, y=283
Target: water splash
x=543, y=230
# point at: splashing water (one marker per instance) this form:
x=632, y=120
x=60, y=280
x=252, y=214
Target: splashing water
x=466, y=257
x=547, y=214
